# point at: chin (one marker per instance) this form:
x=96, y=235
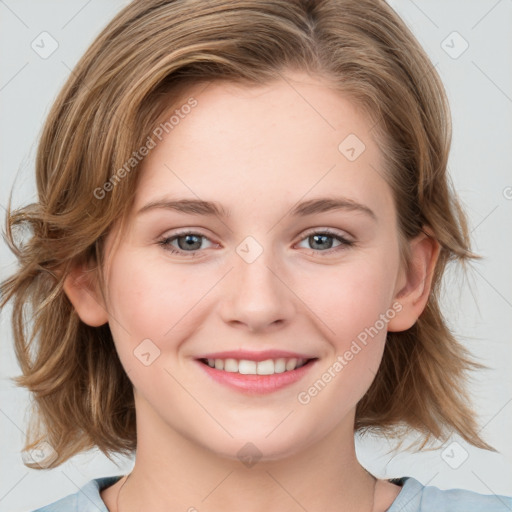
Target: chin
x=258, y=447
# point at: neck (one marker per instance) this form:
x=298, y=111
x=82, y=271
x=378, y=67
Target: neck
x=173, y=473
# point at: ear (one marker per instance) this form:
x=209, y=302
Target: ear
x=414, y=284
x=81, y=287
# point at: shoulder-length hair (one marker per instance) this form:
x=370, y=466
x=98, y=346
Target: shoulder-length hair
x=140, y=64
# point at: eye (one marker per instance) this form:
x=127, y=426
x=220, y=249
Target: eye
x=183, y=243
x=189, y=243
x=322, y=241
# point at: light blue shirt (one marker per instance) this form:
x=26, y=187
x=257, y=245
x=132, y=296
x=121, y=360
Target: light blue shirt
x=414, y=497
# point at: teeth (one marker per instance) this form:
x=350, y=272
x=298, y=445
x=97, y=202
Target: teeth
x=265, y=367
x=247, y=367
x=279, y=365
x=231, y=365
x=291, y=364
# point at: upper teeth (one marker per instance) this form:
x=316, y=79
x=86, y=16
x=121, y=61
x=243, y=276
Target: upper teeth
x=247, y=367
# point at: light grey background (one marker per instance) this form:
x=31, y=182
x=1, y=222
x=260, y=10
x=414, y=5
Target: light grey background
x=479, y=85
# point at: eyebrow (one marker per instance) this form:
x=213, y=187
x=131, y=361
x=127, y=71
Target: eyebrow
x=190, y=206
x=211, y=208
x=327, y=204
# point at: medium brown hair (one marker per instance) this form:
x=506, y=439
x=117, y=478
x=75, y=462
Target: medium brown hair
x=141, y=63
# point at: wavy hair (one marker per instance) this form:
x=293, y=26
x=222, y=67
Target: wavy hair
x=141, y=63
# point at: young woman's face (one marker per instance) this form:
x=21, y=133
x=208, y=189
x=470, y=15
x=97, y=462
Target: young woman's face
x=276, y=271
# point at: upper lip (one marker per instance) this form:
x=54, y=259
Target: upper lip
x=255, y=356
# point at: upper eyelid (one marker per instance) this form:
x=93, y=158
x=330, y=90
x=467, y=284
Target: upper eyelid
x=328, y=231
x=306, y=234
x=174, y=236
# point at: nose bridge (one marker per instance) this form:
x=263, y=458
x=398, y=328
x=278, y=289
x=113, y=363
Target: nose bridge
x=257, y=296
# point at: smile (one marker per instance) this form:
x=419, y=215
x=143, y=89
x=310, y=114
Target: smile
x=256, y=377
x=248, y=367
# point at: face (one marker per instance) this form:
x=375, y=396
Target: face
x=300, y=259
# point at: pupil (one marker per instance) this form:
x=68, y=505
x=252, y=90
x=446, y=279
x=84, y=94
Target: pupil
x=190, y=240
x=323, y=242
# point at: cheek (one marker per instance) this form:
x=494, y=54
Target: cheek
x=354, y=308
x=154, y=299
x=137, y=299
x=143, y=302
x=353, y=303
x=351, y=297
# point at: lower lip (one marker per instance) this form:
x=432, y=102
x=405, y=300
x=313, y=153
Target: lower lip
x=257, y=384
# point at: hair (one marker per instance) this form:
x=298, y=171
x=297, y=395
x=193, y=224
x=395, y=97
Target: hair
x=145, y=60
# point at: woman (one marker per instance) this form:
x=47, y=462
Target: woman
x=242, y=225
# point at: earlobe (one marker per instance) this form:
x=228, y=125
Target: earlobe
x=83, y=291
x=414, y=293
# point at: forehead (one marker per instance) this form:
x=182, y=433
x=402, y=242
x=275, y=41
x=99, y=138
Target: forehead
x=267, y=143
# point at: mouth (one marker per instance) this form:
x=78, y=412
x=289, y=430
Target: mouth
x=256, y=377
x=250, y=367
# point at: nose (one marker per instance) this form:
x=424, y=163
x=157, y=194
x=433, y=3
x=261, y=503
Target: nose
x=256, y=296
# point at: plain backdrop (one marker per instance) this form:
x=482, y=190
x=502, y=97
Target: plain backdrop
x=470, y=44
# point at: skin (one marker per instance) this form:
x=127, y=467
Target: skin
x=257, y=151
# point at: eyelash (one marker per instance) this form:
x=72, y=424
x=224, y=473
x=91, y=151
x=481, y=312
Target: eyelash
x=344, y=242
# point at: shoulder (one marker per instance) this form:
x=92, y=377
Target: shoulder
x=86, y=499
x=415, y=497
